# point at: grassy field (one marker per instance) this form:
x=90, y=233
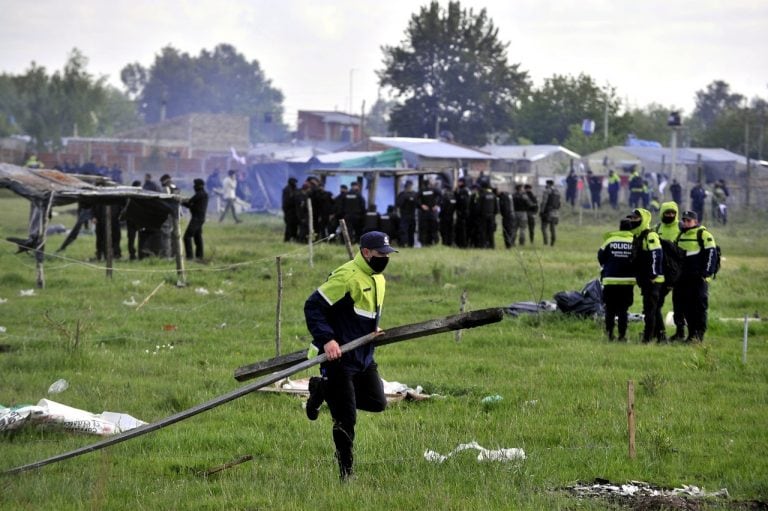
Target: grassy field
x=701, y=413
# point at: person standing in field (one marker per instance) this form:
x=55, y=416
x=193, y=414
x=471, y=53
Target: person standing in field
x=669, y=229
x=648, y=258
x=550, y=212
x=229, y=193
x=345, y=307
x=197, y=205
x=699, y=269
x=618, y=278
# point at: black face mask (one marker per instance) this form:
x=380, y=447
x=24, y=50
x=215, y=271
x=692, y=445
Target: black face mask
x=378, y=264
x=634, y=224
x=668, y=219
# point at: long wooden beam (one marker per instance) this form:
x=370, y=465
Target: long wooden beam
x=459, y=321
x=396, y=334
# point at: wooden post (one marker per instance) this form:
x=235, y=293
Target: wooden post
x=107, y=230
x=462, y=306
x=176, y=240
x=278, y=312
x=347, y=242
x=631, y=417
x=40, y=248
x=744, y=343
x=311, y=235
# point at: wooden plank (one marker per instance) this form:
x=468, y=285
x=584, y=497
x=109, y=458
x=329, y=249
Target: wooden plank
x=396, y=334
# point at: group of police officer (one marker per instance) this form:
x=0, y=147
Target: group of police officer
x=464, y=217
x=634, y=255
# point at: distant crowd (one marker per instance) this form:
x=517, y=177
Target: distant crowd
x=463, y=217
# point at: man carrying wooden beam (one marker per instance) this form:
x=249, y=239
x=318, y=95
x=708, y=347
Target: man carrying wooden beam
x=347, y=306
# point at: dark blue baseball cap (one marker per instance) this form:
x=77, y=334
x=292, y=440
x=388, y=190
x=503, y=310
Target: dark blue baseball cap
x=376, y=240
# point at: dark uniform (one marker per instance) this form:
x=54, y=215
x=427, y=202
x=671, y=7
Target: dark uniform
x=462, y=197
x=406, y=205
x=198, y=205
x=520, y=204
x=446, y=217
x=618, y=278
x=507, y=219
x=290, y=216
x=487, y=207
x=532, y=210
x=353, y=211
x=550, y=212
x=429, y=204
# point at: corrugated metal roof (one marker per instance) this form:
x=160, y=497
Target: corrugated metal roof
x=432, y=148
x=38, y=184
x=527, y=152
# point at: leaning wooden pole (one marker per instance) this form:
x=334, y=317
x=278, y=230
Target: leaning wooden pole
x=469, y=320
x=347, y=241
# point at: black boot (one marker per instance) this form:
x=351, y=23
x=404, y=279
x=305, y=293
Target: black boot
x=679, y=334
x=345, y=464
x=316, y=397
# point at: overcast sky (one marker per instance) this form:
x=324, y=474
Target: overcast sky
x=323, y=53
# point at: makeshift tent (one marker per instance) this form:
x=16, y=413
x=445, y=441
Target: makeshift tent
x=46, y=188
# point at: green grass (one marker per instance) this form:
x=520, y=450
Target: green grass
x=701, y=413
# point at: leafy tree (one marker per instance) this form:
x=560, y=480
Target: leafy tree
x=48, y=108
x=548, y=113
x=451, y=74
x=377, y=121
x=218, y=81
x=713, y=101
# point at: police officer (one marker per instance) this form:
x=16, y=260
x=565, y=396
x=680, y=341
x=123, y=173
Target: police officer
x=698, y=269
x=486, y=207
x=521, y=204
x=635, y=189
x=669, y=229
x=353, y=207
x=617, y=276
x=462, y=197
x=507, y=218
x=197, y=205
x=429, y=205
x=550, y=212
x=290, y=217
x=649, y=273
x=406, y=205
x=446, y=215
x=532, y=210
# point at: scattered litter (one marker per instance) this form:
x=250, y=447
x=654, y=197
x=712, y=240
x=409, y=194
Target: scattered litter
x=3, y=300
x=136, y=282
x=640, y=490
x=219, y=292
x=201, y=291
x=532, y=402
x=169, y=328
x=58, y=416
x=131, y=303
x=27, y=292
x=2, y=330
x=490, y=400
x=159, y=349
x=223, y=325
x=58, y=386
x=503, y=455
x=394, y=391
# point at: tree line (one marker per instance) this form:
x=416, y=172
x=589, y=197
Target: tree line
x=449, y=77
